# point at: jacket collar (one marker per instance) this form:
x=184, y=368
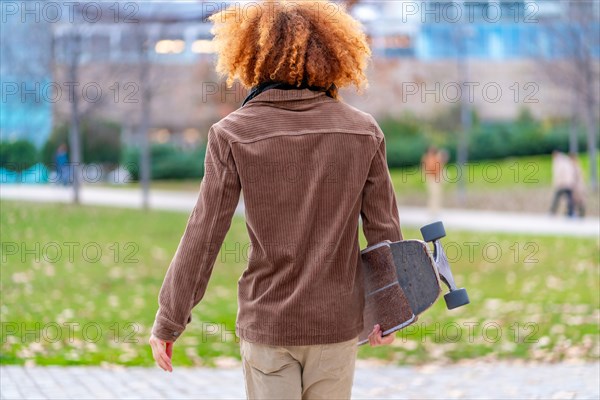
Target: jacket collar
x=284, y=92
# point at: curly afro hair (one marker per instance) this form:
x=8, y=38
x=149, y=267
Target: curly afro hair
x=314, y=43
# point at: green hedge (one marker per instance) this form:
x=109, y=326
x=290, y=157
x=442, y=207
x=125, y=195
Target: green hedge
x=408, y=137
x=523, y=137
x=168, y=162
x=18, y=155
x=100, y=142
x=406, y=140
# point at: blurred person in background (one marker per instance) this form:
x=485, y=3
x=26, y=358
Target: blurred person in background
x=579, y=191
x=61, y=159
x=563, y=181
x=310, y=166
x=432, y=164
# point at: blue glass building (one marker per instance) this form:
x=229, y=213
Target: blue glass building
x=487, y=30
x=426, y=30
x=25, y=80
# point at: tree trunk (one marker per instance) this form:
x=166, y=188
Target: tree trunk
x=592, y=130
x=573, y=136
x=144, y=127
x=145, y=167
x=462, y=151
x=74, y=136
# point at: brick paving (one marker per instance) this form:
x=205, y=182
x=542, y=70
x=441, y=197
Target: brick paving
x=468, y=380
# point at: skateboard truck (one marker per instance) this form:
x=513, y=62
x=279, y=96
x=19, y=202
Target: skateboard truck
x=455, y=297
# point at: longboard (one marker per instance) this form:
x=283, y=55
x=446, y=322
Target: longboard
x=403, y=279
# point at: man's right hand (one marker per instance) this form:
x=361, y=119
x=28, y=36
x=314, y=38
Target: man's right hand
x=376, y=338
x=162, y=352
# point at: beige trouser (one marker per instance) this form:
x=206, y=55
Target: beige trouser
x=299, y=372
x=434, y=201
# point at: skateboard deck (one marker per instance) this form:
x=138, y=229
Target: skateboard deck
x=416, y=273
x=401, y=281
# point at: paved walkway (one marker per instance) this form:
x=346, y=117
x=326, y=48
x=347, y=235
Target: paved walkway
x=473, y=220
x=500, y=380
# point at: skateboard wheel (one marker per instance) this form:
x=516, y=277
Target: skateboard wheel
x=456, y=298
x=433, y=232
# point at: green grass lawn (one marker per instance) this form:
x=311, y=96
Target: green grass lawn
x=489, y=175
x=519, y=184
x=79, y=286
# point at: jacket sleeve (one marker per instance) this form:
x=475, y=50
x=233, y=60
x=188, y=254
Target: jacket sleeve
x=379, y=210
x=188, y=274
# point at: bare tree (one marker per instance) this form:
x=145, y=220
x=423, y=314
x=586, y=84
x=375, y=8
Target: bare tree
x=147, y=87
x=574, y=68
x=68, y=64
x=151, y=81
x=73, y=59
x=459, y=39
x=77, y=65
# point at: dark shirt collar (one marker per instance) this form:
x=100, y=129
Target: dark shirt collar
x=263, y=87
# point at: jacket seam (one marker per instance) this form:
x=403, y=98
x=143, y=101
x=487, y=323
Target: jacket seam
x=296, y=133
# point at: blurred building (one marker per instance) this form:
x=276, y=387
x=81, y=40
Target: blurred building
x=491, y=29
x=25, y=55
x=104, y=43
x=157, y=49
x=515, y=54
x=420, y=43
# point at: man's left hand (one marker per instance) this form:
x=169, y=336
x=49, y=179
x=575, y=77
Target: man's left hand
x=376, y=338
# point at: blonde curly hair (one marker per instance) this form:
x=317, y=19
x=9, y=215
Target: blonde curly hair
x=314, y=43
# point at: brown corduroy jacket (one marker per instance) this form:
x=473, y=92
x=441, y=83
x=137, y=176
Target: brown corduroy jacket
x=308, y=166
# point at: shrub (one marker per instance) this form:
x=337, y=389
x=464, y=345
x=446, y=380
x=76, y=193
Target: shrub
x=408, y=137
x=523, y=137
x=18, y=155
x=100, y=142
x=167, y=162
x=405, y=140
